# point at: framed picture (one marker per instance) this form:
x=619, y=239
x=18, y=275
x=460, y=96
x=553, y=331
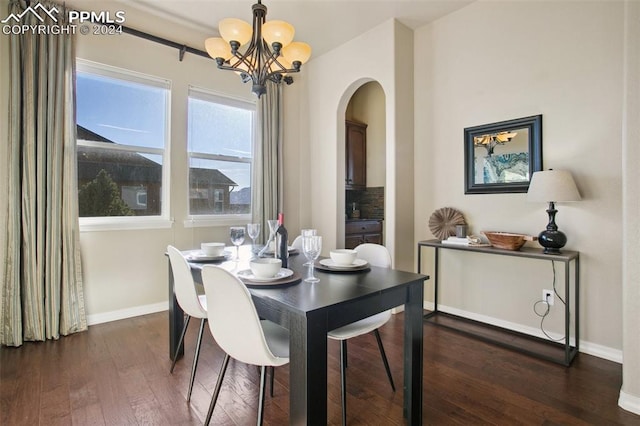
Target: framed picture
x=501, y=157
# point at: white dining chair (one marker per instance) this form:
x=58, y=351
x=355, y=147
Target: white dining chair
x=192, y=304
x=237, y=329
x=297, y=243
x=376, y=255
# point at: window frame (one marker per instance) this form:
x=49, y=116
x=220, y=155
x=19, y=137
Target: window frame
x=201, y=220
x=163, y=220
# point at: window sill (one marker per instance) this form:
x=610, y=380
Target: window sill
x=95, y=224
x=226, y=220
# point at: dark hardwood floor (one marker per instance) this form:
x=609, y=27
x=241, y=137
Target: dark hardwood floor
x=118, y=374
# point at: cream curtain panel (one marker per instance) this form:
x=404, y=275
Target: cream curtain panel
x=41, y=288
x=268, y=158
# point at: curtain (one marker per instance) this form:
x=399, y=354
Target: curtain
x=267, y=184
x=41, y=288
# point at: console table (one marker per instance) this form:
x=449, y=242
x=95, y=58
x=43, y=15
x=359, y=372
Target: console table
x=562, y=353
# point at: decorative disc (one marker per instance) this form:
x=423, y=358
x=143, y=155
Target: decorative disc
x=442, y=222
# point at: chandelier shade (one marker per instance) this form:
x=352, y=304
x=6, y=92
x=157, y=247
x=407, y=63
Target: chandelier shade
x=270, y=53
x=218, y=48
x=278, y=32
x=297, y=51
x=232, y=29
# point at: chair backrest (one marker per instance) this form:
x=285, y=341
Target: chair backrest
x=233, y=319
x=297, y=243
x=183, y=284
x=375, y=254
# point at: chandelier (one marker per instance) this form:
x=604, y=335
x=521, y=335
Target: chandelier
x=271, y=53
x=491, y=141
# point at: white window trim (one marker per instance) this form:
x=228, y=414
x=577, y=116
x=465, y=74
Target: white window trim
x=123, y=223
x=115, y=223
x=201, y=221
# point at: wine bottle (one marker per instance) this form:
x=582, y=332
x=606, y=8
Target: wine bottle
x=282, y=246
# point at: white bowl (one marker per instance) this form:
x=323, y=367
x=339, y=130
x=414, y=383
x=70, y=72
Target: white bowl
x=212, y=249
x=265, y=268
x=343, y=257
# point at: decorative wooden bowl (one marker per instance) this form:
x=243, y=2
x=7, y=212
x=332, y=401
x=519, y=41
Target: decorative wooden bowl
x=508, y=240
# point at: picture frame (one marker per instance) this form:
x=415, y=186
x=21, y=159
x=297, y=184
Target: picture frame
x=501, y=157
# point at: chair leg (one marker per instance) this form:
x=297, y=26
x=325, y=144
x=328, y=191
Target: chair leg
x=343, y=379
x=272, y=377
x=180, y=343
x=195, y=358
x=216, y=392
x=343, y=347
x=384, y=358
x=263, y=383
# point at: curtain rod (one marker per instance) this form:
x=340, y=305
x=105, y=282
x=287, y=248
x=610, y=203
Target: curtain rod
x=183, y=48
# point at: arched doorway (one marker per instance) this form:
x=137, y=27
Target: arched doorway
x=364, y=198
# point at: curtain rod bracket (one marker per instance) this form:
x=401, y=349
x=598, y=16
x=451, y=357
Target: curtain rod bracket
x=183, y=50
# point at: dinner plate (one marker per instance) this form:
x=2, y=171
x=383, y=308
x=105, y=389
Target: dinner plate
x=248, y=275
x=200, y=256
x=357, y=264
x=292, y=250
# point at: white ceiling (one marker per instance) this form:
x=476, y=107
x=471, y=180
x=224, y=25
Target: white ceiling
x=324, y=24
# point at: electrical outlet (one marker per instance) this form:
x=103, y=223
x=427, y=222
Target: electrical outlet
x=548, y=296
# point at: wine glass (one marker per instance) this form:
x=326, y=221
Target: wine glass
x=237, y=238
x=307, y=233
x=273, y=228
x=253, y=229
x=311, y=247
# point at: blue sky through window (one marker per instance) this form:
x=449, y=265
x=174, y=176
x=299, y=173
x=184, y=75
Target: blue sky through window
x=219, y=129
x=121, y=111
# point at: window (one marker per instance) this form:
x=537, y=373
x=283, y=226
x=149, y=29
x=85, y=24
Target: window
x=220, y=155
x=122, y=121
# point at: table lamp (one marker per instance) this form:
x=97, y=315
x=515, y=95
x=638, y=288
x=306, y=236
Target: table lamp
x=552, y=186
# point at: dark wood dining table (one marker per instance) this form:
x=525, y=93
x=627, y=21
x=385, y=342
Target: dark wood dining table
x=310, y=310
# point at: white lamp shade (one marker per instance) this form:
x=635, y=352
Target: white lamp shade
x=233, y=29
x=218, y=48
x=552, y=186
x=278, y=31
x=297, y=51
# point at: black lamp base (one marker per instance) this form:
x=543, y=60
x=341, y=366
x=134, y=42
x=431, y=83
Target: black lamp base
x=551, y=239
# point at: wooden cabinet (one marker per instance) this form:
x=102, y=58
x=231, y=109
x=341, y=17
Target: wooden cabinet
x=362, y=231
x=356, y=155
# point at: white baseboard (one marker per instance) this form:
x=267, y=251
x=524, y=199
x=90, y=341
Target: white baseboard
x=589, y=348
x=126, y=313
x=629, y=402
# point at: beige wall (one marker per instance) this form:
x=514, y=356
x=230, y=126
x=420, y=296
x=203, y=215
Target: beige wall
x=630, y=393
x=328, y=94
x=559, y=59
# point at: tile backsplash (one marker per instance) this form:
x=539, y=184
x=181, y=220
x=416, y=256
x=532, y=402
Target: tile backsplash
x=370, y=201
